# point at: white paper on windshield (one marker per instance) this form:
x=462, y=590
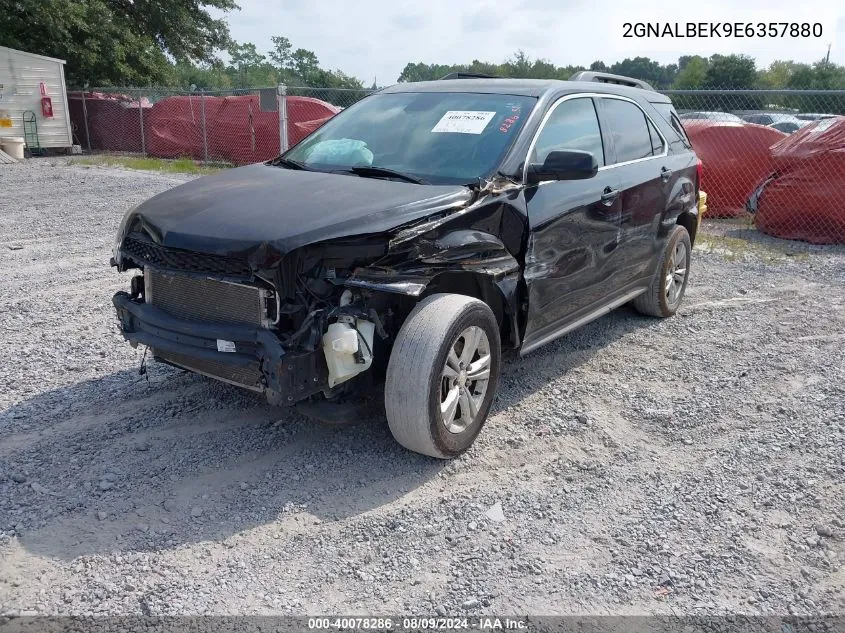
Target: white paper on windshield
x=464, y=121
x=226, y=346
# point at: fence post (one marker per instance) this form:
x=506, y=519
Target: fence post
x=141, y=117
x=85, y=119
x=204, y=131
x=283, y=118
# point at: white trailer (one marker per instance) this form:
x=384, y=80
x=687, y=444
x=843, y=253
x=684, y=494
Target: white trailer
x=26, y=79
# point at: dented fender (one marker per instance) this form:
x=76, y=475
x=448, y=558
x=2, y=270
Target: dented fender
x=486, y=237
x=465, y=251
x=485, y=240
x=497, y=267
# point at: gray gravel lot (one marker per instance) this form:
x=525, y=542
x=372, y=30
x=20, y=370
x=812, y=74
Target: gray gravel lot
x=693, y=465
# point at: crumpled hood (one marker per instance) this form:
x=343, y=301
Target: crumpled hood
x=261, y=208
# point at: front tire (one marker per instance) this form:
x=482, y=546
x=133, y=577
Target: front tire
x=442, y=375
x=664, y=295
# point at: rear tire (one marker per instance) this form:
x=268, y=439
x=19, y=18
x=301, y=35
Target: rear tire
x=667, y=288
x=442, y=375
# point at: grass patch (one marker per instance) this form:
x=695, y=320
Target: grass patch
x=174, y=166
x=740, y=249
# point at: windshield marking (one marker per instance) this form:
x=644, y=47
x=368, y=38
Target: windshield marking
x=464, y=121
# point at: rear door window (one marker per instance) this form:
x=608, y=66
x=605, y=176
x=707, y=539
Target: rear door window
x=629, y=129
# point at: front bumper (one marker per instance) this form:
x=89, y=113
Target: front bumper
x=287, y=376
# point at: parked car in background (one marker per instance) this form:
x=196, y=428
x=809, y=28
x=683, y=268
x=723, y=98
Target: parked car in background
x=414, y=237
x=724, y=117
x=813, y=116
x=787, y=123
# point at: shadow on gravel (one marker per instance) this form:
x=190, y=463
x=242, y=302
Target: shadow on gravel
x=524, y=376
x=122, y=464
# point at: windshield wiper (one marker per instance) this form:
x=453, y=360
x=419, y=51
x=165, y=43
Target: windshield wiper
x=370, y=170
x=290, y=164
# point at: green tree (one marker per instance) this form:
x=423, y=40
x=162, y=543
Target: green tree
x=429, y=72
x=280, y=53
x=692, y=74
x=245, y=55
x=116, y=42
x=777, y=75
x=731, y=72
x=485, y=68
x=335, y=79
x=248, y=68
x=647, y=70
x=305, y=66
x=822, y=75
x=683, y=60
x=204, y=76
x=519, y=65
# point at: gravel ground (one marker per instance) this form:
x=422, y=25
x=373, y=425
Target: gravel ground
x=693, y=465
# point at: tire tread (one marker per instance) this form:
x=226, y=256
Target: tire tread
x=406, y=386
x=649, y=303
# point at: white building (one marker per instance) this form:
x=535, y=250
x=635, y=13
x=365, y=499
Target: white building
x=23, y=78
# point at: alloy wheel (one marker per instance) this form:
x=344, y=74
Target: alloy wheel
x=464, y=379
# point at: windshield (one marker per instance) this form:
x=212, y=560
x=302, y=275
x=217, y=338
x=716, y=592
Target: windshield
x=437, y=137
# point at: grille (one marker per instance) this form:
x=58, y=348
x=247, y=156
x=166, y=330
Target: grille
x=204, y=299
x=248, y=376
x=149, y=253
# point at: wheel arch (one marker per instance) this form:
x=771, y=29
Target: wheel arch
x=500, y=294
x=689, y=221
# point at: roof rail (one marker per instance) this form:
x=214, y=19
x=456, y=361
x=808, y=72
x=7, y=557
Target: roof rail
x=468, y=76
x=607, y=78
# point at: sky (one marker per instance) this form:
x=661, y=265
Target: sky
x=374, y=39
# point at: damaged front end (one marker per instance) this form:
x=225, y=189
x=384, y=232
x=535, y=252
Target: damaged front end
x=317, y=319
x=289, y=331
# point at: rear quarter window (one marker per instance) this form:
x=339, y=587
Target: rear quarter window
x=667, y=113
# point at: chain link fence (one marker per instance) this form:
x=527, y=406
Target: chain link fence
x=772, y=160
x=231, y=127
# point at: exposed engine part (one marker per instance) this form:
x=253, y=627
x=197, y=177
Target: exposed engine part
x=348, y=346
x=379, y=326
x=136, y=287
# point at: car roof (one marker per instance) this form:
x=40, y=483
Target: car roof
x=773, y=116
x=525, y=88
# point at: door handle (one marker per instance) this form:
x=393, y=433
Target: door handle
x=608, y=196
x=665, y=173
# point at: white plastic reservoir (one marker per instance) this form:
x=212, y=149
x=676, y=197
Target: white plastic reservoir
x=341, y=344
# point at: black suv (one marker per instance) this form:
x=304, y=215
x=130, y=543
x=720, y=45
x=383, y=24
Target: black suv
x=412, y=238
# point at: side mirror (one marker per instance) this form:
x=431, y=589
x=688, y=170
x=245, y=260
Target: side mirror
x=567, y=164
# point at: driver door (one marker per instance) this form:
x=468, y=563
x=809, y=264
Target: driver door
x=575, y=225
